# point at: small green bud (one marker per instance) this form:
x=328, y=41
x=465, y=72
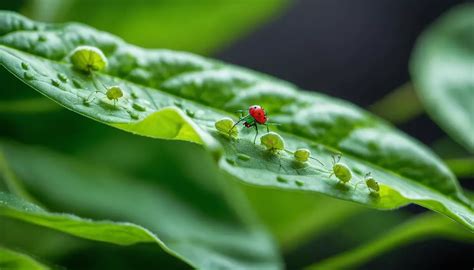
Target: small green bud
x=88, y=58
x=114, y=93
x=225, y=125
x=272, y=141
x=302, y=154
x=342, y=172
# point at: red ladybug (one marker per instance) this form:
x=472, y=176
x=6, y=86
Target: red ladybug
x=256, y=116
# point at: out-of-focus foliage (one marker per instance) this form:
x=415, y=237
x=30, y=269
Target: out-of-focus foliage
x=197, y=26
x=183, y=221
x=442, y=68
x=179, y=96
x=424, y=227
x=13, y=260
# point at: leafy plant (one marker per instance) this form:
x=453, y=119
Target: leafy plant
x=179, y=96
x=203, y=220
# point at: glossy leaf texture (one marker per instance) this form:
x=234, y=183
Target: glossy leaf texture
x=203, y=229
x=176, y=95
x=14, y=260
x=442, y=68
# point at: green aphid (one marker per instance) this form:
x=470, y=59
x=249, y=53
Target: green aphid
x=273, y=141
x=372, y=185
x=88, y=59
x=224, y=126
x=340, y=170
x=302, y=154
x=114, y=93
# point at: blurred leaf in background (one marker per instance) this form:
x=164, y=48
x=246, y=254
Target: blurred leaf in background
x=442, y=68
x=196, y=26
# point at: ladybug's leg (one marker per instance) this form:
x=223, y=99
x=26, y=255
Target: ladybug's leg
x=238, y=122
x=256, y=132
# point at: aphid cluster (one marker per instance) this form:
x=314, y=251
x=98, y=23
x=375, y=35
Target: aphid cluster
x=274, y=143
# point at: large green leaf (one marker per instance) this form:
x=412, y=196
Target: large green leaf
x=197, y=225
x=182, y=95
x=198, y=26
x=442, y=67
x=13, y=260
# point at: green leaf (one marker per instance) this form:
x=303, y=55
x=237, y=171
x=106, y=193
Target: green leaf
x=198, y=26
x=442, y=68
x=424, y=227
x=184, y=94
x=202, y=229
x=13, y=260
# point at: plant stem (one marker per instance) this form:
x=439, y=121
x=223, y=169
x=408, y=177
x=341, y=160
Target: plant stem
x=419, y=228
x=399, y=106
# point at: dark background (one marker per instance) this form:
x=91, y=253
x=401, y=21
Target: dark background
x=359, y=51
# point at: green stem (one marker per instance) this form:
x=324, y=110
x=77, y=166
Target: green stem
x=27, y=106
x=399, y=106
x=420, y=228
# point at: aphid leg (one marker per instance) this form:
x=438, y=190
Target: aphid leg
x=256, y=133
x=319, y=161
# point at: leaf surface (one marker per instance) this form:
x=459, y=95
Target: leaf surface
x=181, y=95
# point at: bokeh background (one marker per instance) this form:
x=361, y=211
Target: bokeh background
x=355, y=50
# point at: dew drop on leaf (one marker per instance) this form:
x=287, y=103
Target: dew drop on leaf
x=28, y=76
x=243, y=157
x=25, y=66
x=139, y=107
x=281, y=179
x=55, y=82
x=62, y=77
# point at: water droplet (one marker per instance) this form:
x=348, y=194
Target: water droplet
x=299, y=183
x=25, y=66
x=138, y=107
x=230, y=161
x=42, y=38
x=27, y=75
x=178, y=103
x=62, y=77
x=281, y=179
x=76, y=84
x=55, y=82
x=133, y=115
x=243, y=157
x=190, y=113
x=86, y=102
